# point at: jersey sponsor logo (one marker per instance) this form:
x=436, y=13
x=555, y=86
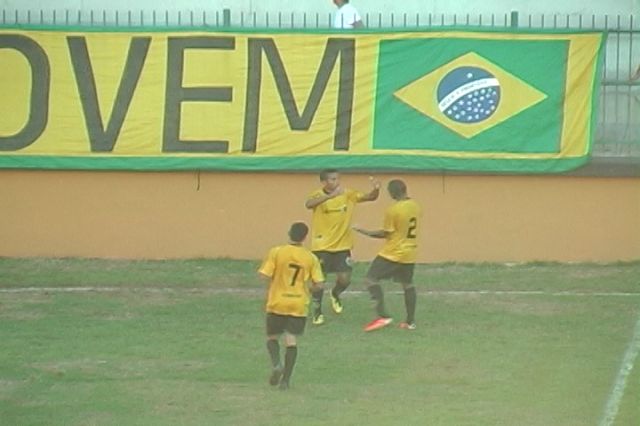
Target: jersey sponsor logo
x=337, y=209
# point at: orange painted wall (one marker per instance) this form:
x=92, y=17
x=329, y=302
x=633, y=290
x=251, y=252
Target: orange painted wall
x=237, y=215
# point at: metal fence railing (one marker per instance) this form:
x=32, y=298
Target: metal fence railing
x=618, y=125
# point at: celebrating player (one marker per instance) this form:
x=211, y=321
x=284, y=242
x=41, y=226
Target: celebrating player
x=289, y=269
x=396, y=259
x=331, y=236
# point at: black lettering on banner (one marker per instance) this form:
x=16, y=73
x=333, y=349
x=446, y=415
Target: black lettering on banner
x=176, y=93
x=40, y=89
x=101, y=139
x=343, y=48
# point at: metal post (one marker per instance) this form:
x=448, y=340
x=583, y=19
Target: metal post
x=514, y=19
x=226, y=17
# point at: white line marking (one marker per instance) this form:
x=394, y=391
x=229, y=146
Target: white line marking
x=261, y=291
x=613, y=403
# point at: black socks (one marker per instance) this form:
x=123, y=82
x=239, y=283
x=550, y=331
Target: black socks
x=378, y=298
x=273, y=346
x=316, y=297
x=338, y=289
x=290, y=356
x=410, y=303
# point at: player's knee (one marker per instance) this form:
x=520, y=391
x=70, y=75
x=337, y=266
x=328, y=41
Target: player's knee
x=290, y=340
x=343, y=283
x=343, y=279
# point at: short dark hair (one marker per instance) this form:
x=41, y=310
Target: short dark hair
x=326, y=172
x=298, y=232
x=397, y=188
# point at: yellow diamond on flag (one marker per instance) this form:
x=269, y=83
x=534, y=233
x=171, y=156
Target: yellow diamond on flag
x=469, y=95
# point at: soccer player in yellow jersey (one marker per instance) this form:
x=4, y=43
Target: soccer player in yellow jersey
x=331, y=235
x=289, y=270
x=396, y=260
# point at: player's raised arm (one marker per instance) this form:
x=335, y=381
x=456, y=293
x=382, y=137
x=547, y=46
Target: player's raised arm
x=317, y=276
x=314, y=201
x=375, y=190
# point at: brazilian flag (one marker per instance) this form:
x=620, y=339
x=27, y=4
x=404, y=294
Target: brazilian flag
x=489, y=102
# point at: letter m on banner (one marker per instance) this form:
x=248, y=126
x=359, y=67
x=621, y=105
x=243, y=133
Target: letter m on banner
x=336, y=49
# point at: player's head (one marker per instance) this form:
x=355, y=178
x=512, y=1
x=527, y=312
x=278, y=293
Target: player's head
x=330, y=179
x=397, y=189
x=340, y=2
x=298, y=232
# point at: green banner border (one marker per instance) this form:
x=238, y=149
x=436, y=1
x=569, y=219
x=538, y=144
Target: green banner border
x=299, y=163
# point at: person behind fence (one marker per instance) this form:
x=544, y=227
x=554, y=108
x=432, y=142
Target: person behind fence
x=396, y=260
x=290, y=270
x=635, y=75
x=346, y=16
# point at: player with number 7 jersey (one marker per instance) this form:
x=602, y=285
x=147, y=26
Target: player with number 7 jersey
x=290, y=268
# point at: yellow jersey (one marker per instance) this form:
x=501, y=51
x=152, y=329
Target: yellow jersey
x=290, y=268
x=401, y=221
x=331, y=221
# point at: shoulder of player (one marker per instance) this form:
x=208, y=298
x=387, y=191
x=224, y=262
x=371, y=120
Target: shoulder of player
x=300, y=249
x=275, y=249
x=402, y=207
x=407, y=202
x=416, y=205
x=305, y=256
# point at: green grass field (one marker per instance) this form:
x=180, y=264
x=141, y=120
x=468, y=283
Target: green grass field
x=97, y=342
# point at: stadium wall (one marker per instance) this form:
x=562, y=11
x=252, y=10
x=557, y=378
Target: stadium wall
x=239, y=215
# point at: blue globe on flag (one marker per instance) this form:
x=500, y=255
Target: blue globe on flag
x=468, y=95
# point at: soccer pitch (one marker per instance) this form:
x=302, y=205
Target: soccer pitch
x=96, y=342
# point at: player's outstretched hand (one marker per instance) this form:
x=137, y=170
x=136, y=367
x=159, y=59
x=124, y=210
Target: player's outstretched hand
x=359, y=230
x=336, y=192
x=374, y=182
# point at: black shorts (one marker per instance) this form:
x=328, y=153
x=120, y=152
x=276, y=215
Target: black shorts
x=382, y=269
x=334, y=261
x=278, y=324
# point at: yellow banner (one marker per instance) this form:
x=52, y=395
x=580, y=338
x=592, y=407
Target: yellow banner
x=204, y=95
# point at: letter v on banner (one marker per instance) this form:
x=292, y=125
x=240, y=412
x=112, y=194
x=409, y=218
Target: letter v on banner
x=103, y=139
